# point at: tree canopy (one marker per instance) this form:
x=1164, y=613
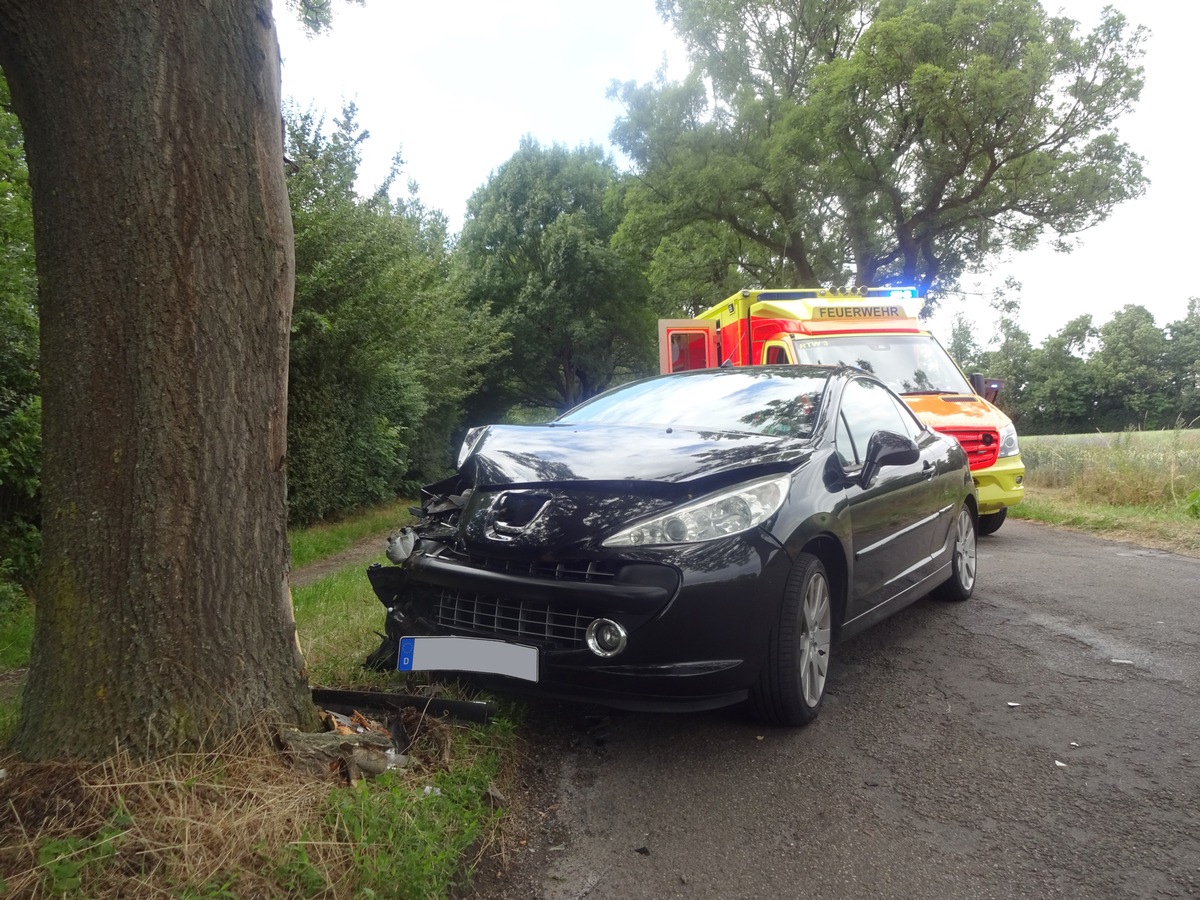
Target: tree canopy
x=1124, y=373
x=818, y=143
x=536, y=251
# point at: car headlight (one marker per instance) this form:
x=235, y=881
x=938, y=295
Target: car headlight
x=731, y=511
x=1008, y=441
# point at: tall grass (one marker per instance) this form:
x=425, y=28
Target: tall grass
x=1147, y=469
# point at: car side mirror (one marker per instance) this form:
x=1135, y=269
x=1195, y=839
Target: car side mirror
x=886, y=448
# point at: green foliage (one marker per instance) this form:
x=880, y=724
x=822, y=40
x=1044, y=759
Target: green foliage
x=296, y=872
x=1132, y=381
x=383, y=351
x=1009, y=360
x=536, y=252
x=1126, y=373
x=67, y=861
x=819, y=143
x=20, y=405
x=409, y=841
x=315, y=15
x=1183, y=361
x=1192, y=504
x=963, y=347
x=16, y=621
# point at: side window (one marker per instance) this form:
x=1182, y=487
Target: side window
x=868, y=408
x=776, y=355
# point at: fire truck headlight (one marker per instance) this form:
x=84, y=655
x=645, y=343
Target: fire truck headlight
x=1008, y=441
x=727, y=512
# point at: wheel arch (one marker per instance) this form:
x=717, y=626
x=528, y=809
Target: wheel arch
x=828, y=549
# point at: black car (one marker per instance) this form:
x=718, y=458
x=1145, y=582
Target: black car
x=687, y=541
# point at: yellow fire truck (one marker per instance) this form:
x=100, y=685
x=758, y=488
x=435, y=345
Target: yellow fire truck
x=875, y=330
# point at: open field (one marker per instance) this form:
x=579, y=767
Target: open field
x=1142, y=486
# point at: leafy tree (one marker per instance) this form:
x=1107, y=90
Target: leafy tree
x=963, y=347
x=383, y=351
x=536, y=251
x=20, y=404
x=1133, y=384
x=1061, y=395
x=1009, y=360
x=165, y=270
x=903, y=142
x=1183, y=361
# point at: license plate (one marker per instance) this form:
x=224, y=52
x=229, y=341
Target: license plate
x=463, y=654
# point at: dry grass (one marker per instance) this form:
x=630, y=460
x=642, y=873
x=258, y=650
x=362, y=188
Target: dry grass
x=156, y=827
x=228, y=824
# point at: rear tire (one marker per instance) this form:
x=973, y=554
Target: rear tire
x=791, y=688
x=962, y=561
x=991, y=523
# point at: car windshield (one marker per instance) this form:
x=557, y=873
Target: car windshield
x=773, y=401
x=907, y=363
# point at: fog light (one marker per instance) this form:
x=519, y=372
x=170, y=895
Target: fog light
x=605, y=637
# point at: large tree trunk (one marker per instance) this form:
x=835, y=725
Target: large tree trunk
x=164, y=255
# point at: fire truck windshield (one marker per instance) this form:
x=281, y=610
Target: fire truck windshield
x=907, y=363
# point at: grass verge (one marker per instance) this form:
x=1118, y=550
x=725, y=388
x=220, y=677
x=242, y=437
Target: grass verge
x=234, y=824
x=320, y=541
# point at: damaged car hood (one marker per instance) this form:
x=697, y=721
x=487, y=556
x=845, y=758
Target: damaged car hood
x=561, y=453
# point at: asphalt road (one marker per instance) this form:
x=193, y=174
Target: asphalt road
x=1039, y=741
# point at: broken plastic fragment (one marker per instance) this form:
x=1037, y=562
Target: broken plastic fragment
x=1060, y=763
x=1011, y=703
x=400, y=546
x=1123, y=662
x=1074, y=743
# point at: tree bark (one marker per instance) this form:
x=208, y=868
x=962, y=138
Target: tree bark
x=164, y=254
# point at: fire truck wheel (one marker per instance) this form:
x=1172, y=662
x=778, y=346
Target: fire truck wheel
x=991, y=523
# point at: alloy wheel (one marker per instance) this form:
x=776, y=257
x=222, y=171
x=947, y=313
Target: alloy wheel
x=815, y=639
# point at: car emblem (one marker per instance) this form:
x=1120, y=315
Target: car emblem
x=511, y=513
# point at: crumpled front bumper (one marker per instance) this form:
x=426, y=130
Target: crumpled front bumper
x=697, y=618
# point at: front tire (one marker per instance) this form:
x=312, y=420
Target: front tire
x=791, y=688
x=991, y=523
x=962, y=561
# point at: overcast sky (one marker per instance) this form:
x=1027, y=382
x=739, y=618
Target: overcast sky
x=454, y=87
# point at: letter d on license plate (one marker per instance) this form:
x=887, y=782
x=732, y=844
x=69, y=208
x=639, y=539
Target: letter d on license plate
x=462, y=654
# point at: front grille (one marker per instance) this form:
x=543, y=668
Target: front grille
x=528, y=621
x=982, y=444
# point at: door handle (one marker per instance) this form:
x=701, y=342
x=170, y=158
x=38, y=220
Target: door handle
x=927, y=469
